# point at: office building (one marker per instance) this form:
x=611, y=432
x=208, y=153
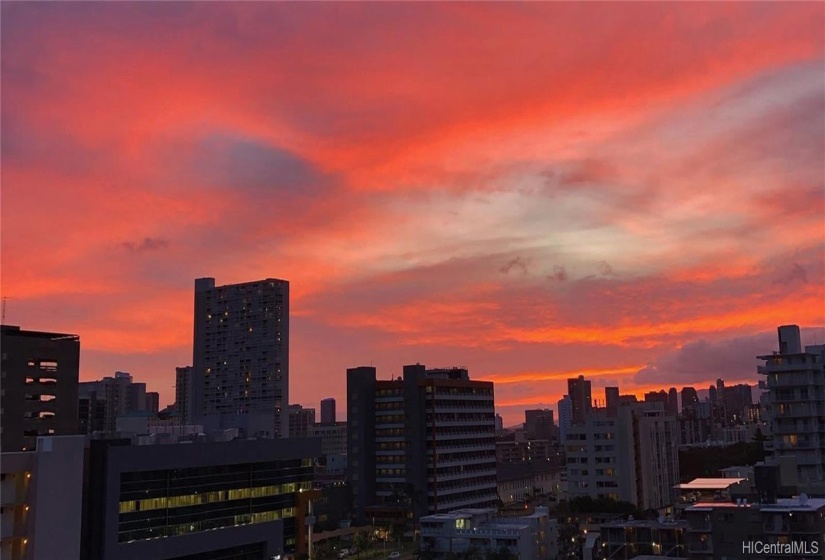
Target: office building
x=479, y=532
x=632, y=457
x=39, y=373
x=328, y=411
x=672, y=401
x=301, y=421
x=421, y=443
x=183, y=376
x=41, y=495
x=796, y=402
x=240, y=361
x=690, y=402
x=580, y=399
x=238, y=499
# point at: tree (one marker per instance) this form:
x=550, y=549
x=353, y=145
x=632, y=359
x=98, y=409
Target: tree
x=502, y=553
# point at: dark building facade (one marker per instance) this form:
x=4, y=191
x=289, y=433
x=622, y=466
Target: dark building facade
x=39, y=380
x=328, y=411
x=420, y=444
x=234, y=500
x=539, y=424
x=581, y=399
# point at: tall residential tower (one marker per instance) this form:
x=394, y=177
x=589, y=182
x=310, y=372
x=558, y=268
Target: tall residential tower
x=240, y=363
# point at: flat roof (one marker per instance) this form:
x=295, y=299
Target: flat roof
x=709, y=483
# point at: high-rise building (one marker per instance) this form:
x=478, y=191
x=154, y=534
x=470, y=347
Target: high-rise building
x=419, y=444
x=301, y=421
x=39, y=379
x=673, y=401
x=690, y=401
x=632, y=457
x=240, y=376
x=499, y=424
x=612, y=400
x=565, y=408
x=328, y=411
x=539, y=424
x=183, y=377
x=796, y=405
x=580, y=399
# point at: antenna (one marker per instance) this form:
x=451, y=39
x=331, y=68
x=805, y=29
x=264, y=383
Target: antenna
x=3, y=312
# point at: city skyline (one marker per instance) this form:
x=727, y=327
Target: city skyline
x=633, y=193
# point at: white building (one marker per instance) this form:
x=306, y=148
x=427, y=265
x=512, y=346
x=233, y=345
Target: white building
x=532, y=537
x=240, y=361
x=796, y=405
x=632, y=457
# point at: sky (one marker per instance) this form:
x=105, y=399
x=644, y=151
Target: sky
x=535, y=191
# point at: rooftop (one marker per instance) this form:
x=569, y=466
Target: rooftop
x=710, y=483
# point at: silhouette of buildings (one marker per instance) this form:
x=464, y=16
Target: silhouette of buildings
x=40, y=385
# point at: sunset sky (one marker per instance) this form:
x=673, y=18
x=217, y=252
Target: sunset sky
x=633, y=192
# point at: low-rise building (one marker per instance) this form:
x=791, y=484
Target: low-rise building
x=623, y=540
x=788, y=528
x=236, y=499
x=532, y=536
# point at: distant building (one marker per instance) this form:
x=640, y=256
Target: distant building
x=690, y=402
x=532, y=536
x=796, y=401
x=499, y=424
x=42, y=495
x=119, y=394
x=539, y=424
x=422, y=443
x=240, y=361
x=301, y=421
x=565, y=408
x=580, y=399
x=521, y=451
x=328, y=411
x=333, y=437
x=234, y=499
x=153, y=401
x=672, y=401
x=183, y=377
x=612, y=400
x=39, y=379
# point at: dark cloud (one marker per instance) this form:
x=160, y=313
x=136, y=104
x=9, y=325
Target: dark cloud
x=145, y=245
x=726, y=358
x=246, y=164
x=559, y=274
x=516, y=262
x=796, y=274
x=605, y=269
